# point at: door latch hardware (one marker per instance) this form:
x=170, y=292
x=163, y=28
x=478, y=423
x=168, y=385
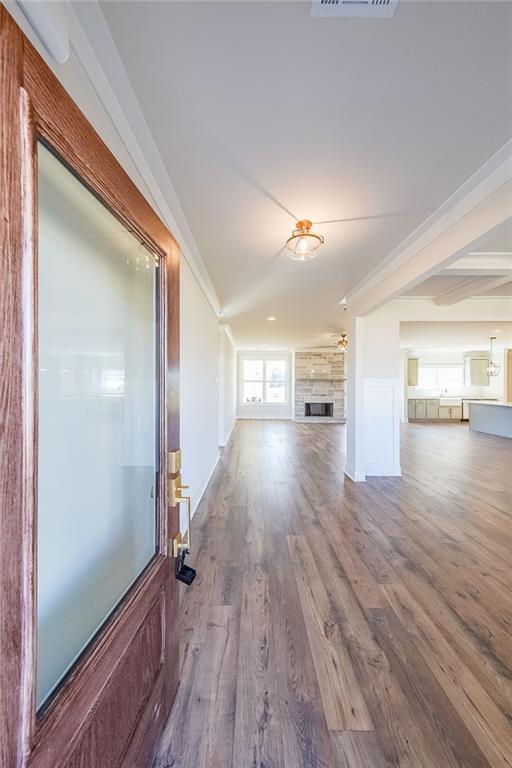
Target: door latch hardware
x=184, y=573
x=179, y=545
x=174, y=461
x=176, y=497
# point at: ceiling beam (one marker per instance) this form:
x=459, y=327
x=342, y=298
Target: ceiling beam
x=466, y=272
x=470, y=263
x=473, y=287
x=483, y=205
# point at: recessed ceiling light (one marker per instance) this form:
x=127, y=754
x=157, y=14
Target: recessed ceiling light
x=497, y=330
x=303, y=243
x=271, y=318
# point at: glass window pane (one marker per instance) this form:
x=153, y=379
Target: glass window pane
x=276, y=370
x=253, y=392
x=96, y=527
x=441, y=377
x=253, y=370
x=276, y=392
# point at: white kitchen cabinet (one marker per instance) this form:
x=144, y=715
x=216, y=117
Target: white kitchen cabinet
x=450, y=412
x=422, y=409
x=475, y=373
x=444, y=412
x=412, y=371
x=430, y=409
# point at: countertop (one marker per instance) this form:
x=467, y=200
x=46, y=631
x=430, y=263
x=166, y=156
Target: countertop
x=501, y=405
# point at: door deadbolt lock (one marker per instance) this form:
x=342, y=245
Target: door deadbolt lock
x=176, y=497
x=180, y=544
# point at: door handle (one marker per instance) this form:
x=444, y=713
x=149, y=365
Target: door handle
x=176, y=497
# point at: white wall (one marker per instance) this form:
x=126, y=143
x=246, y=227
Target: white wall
x=199, y=326
x=199, y=361
x=227, y=385
x=77, y=84
x=264, y=410
x=375, y=370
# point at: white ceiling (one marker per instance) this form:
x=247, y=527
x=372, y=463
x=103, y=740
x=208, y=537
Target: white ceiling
x=475, y=272
x=262, y=114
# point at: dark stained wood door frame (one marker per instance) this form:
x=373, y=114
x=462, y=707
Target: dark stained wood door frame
x=92, y=711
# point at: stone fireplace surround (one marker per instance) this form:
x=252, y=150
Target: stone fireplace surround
x=319, y=377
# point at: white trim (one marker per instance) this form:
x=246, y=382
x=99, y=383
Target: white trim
x=96, y=51
x=473, y=298
x=382, y=396
x=203, y=486
x=355, y=362
x=357, y=477
x=383, y=470
x=50, y=25
x=263, y=356
x=490, y=180
x=228, y=437
x=230, y=335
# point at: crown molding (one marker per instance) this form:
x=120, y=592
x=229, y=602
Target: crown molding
x=229, y=333
x=99, y=58
x=490, y=182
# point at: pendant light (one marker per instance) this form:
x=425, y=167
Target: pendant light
x=343, y=342
x=492, y=369
x=303, y=243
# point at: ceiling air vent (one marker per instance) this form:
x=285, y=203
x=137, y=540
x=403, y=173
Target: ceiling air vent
x=367, y=9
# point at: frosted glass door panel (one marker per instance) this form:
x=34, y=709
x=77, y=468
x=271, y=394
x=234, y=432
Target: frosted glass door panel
x=96, y=527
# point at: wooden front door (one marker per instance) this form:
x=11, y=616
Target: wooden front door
x=89, y=409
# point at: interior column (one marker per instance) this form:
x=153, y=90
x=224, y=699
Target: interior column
x=373, y=396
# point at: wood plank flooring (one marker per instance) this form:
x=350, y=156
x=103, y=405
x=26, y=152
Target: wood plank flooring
x=343, y=625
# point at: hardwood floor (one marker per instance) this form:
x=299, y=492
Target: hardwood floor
x=343, y=625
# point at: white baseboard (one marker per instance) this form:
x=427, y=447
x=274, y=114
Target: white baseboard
x=226, y=439
x=383, y=470
x=197, y=498
x=203, y=486
x=357, y=476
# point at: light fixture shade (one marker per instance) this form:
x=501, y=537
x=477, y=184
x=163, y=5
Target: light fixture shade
x=343, y=342
x=303, y=243
x=492, y=369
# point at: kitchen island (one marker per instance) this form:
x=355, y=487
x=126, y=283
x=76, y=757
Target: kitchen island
x=493, y=418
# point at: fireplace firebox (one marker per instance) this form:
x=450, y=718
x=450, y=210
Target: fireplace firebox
x=318, y=409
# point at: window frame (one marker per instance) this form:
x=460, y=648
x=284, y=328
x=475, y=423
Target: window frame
x=265, y=359
x=438, y=367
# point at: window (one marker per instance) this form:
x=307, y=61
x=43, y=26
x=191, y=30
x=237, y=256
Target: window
x=264, y=381
x=441, y=377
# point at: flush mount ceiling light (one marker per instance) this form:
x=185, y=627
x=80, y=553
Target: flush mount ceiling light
x=492, y=369
x=303, y=243
x=271, y=318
